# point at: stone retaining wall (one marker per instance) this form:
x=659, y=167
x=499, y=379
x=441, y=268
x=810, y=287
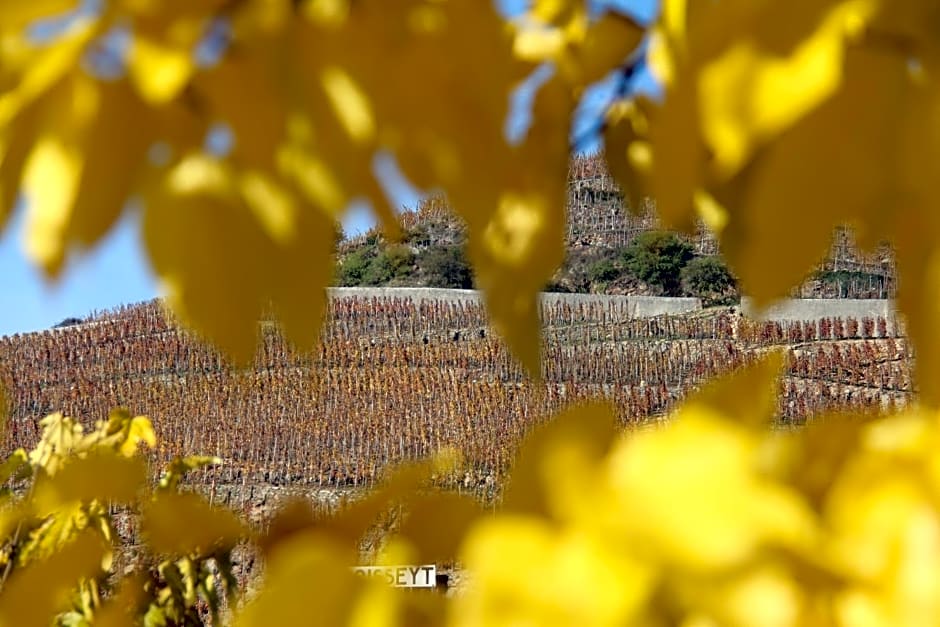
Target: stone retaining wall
x=818, y=308
x=639, y=306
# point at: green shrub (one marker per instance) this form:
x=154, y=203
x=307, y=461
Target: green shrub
x=393, y=263
x=710, y=279
x=657, y=257
x=353, y=268
x=603, y=271
x=446, y=267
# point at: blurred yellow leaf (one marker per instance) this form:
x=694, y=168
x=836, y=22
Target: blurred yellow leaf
x=104, y=477
x=754, y=89
x=258, y=124
x=629, y=154
x=675, y=139
x=350, y=104
x=608, y=43
x=307, y=571
x=190, y=253
x=758, y=407
x=177, y=469
x=139, y=430
x=122, y=607
x=885, y=523
x=547, y=477
x=18, y=15
x=113, y=148
x=180, y=524
x=557, y=12
x=36, y=593
x=122, y=433
x=43, y=69
x=525, y=572
x=160, y=71
x=79, y=174
x=704, y=519
x=516, y=247
x=436, y=523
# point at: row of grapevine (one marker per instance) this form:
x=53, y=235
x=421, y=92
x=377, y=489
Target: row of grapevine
x=369, y=396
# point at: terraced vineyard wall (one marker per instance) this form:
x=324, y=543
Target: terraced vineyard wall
x=397, y=378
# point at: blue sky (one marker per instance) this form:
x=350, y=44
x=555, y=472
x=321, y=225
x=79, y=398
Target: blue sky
x=116, y=271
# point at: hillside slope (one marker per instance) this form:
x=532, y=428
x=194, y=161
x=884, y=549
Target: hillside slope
x=601, y=228
x=394, y=379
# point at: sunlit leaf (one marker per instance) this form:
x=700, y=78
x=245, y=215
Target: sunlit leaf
x=696, y=518
x=608, y=43
x=17, y=15
x=159, y=70
x=102, y=477
x=629, y=154
x=123, y=433
x=435, y=525
x=180, y=466
x=306, y=571
x=757, y=88
x=180, y=524
x=43, y=70
x=60, y=436
x=527, y=572
x=546, y=476
x=36, y=593
x=759, y=406
x=189, y=253
x=122, y=608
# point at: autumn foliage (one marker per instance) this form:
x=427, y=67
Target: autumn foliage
x=778, y=121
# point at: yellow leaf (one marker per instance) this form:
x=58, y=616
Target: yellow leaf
x=180, y=524
x=307, y=571
x=536, y=45
x=84, y=166
x=16, y=142
x=37, y=592
x=114, y=148
x=160, y=71
x=45, y=69
x=350, y=104
x=53, y=170
x=436, y=524
x=547, y=475
x=18, y=15
x=675, y=139
x=60, y=437
x=122, y=433
x=608, y=43
x=752, y=91
x=778, y=228
x=557, y=12
x=140, y=430
x=123, y=606
x=104, y=477
x=190, y=253
x=709, y=506
x=628, y=151
x=516, y=246
x=258, y=124
x=526, y=572
x=758, y=406
x=180, y=466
